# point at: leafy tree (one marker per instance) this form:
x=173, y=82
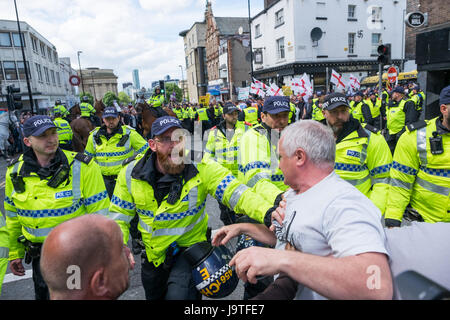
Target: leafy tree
x=171, y=87
x=109, y=98
x=124, y=98
x=87, y=94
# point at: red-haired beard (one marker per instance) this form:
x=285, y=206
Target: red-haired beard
x=168, y=165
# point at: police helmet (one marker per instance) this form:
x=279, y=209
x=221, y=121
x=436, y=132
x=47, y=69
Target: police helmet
x=212, y=275
x=57, y=102
x=85, y=98
x=244, y=241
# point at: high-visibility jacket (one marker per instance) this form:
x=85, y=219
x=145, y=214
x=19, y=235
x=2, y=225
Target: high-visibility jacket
x=61, y=110
x=40, y=208
x=418, y=99
x=251, y=115
x=109, y=154
x=317, y=113
x=259, y=162
x=64, y=130
x=292, y=112
x=86, y=109
x=202, y=114
x=4, y=249
x=223, y=149
x=363, y=158
x=191, y=113
x=178, y=113
x=374, y=107
x=396, y=116
x=184, y=222
x=156, y=100
x=217, y=111
x=418, y=177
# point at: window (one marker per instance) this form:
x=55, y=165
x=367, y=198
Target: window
x=351, y=11
x=351, y=43
x=58, y=79
x=43, y=50
x=280, y=48
x=49, y=54
x=257, y=31
x=21, y=69
x=376, y=41
x=52, y=73
x=5, y=39
x=47, y=78
x=279, y=18
x=376, y=14
x=1, y=73
x=39, y=71
x=16, y=40
x=34, y=44
x=55, y=57
x=10, y=70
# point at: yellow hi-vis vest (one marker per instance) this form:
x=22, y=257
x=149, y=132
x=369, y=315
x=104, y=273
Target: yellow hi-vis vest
x=64, y=130
x=184, y=222
x=109, y=155
x=251, y=115
x=420, y=178
x=4, y=249
x=363, y=158
x=258, y=166
x=86, y=109
x=396, y=117
x=35, y=212
x=202, y=114
x=317, y=113
x=224, y=151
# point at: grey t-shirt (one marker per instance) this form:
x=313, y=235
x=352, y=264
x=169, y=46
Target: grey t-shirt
x=331, y=218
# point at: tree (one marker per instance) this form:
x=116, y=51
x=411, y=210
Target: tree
x=124, y=98
x=108, y=99
x=172, y=87
x=87, y=94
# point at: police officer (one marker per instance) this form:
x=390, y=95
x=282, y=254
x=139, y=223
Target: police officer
x=250, y=114
x=157, y=99
x=418, y=96
x=45, y=187
x=111, y=144
x=88, y=111
x=420, y=172
x=316, y=113
x=60, y=109
x=374, y=104
x=65, y=133
x=203, y=118
x=400, y=112
x=169, y=196
x=258, y=158
x=363, y=157
x=223, y=147
x=360, y=110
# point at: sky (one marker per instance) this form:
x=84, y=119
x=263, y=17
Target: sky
x=122, y=34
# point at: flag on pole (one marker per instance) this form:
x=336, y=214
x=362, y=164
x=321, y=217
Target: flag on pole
x=354, y=82
x=274, y=90
x=336, y=78
x=254, y=89
x=260, y=84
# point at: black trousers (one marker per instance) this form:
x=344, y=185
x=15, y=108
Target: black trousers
x=40, y=287
x=175, y=283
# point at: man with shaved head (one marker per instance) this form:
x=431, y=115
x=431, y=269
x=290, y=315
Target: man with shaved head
x=85, y=259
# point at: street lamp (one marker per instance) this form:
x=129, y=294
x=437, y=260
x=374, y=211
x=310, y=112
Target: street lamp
x=182, y=80
x=81, y=74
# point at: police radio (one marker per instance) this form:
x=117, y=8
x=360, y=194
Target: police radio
x=61, y=175
x=436, y=145
x=18, y=183
x=123, y=140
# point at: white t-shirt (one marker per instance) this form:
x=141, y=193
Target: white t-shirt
x=331, y=218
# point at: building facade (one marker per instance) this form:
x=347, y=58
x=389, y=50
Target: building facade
x=228, y=56
x=195, y=60
x=47, y=73
x=136, y=82
x=292, y=37
x=98, y=82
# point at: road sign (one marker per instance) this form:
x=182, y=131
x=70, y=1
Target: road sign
x=74, y=80
x=392, y=75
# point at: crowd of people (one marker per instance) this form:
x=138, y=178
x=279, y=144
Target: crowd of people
x=318, y=179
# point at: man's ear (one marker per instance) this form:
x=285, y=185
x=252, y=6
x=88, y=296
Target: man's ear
x=98, y=283
x=300, y=156
x=152, y=144
x=26, y=141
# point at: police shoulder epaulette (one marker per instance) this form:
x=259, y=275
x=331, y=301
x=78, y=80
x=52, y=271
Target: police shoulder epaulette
x=128, y=160
x=371, y=128
x=13, y=160
x=82, y=157
x=131, y=128
x=416, y=125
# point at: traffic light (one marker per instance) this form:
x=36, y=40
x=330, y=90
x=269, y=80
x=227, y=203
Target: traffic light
x=14, y=99
x=384, y=53
x=161, y=86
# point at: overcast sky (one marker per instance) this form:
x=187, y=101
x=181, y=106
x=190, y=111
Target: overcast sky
x=122, y=34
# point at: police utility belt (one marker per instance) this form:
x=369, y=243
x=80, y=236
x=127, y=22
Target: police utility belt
x=32, y=250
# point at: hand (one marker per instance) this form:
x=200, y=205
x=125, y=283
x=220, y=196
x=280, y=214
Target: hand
x=16, y=267
x=279, y=214
x=255, y=261
x=130, y=257
x=224, y=234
